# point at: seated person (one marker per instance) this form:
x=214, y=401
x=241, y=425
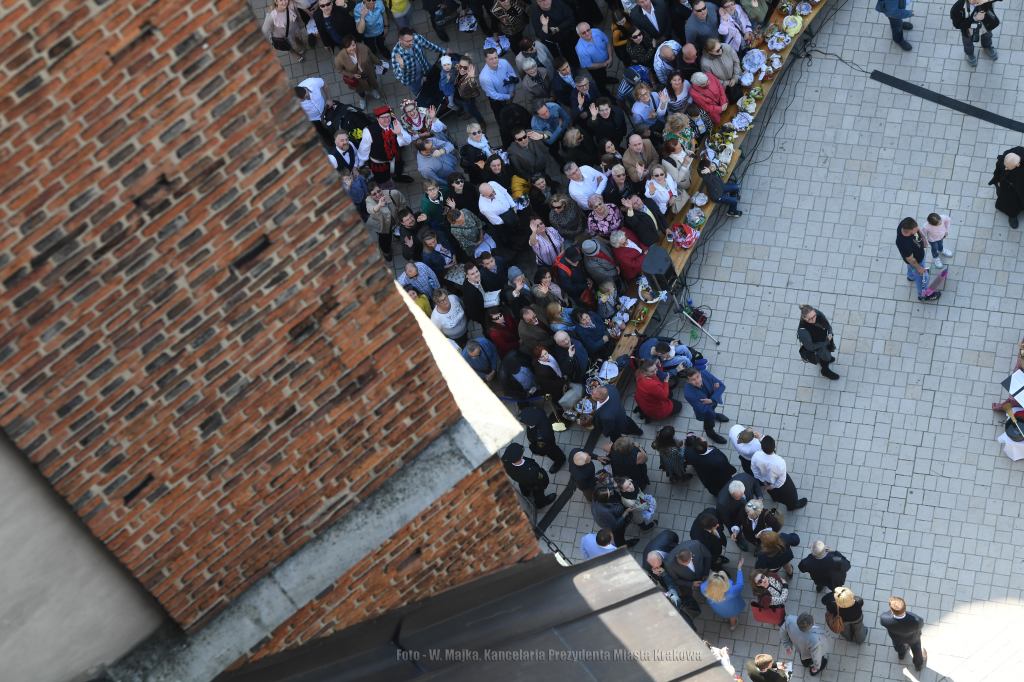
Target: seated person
x=671, y=354
x=592, y=333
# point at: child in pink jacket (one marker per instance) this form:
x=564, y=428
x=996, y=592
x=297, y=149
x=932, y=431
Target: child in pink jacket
x=935, y=229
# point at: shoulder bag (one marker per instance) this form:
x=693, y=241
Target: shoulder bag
x=282, y=44
x=834, y=621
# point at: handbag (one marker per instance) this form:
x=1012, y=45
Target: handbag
x=350, y=81
x=773, y=615
x=282, y=44
x=571, y=396
x=834, y=622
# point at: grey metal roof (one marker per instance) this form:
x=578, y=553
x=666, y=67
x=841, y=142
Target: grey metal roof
x=601, y=620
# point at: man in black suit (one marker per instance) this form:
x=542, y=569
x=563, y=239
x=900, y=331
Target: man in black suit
x=527, y=473
x=826, y=566
x=610, y=416
x=655, y=554
x=905, y=631
x=542, y=437
x=473, y=293
x=646, y=14
x=732, y=498
x=642, y=216
x=762, y=668
x=688, y=565
x=583, y=471
x=493, y=271
x=709, y=532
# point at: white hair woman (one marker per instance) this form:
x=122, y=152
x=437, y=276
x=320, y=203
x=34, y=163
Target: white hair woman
x=758, y=520
x=662, y=188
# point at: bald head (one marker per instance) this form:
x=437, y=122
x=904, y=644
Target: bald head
x=636, y=143
x=411, y=270
x=689, y=52
x=1011, y=161
x=486, y=191
x=667, y=53
x=581, y=459
x=600, y=394
x=562, y=339
x=654, y=559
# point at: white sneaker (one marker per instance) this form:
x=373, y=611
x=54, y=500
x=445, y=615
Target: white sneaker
x=362, y=104
x=947, y=253
x=937, y=263
x=374, y=94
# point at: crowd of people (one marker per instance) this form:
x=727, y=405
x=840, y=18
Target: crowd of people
x=538, y=259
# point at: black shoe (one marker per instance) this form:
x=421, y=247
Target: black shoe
x=824, y=664
x=402, y=178
x=907, y=47
x=722, y=560
x=721, y=417
x=555, y=467
x=718, y=439
x=1013, y=223
x=742, y=544
x=736, y=194
x=924, y=653
x=645, y=527
x=734, y=214
x=829, y=373
x=547, y=500
x=819, y=588
x=801, y=503
x=910, y=279
x=632, y=542
x=907, y=26
x=934, y=296
x=442, y=35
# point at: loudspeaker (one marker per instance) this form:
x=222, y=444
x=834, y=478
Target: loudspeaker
x=658, y=268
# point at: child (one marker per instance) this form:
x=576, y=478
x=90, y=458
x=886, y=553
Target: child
x=642, y=504
x=447, y=82
x=607, y=300
x=355, y=185
x=935, y=229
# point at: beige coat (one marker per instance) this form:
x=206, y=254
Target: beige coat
x=366, y=61
x=629, y=160
x=383, y=221
x=725, y=66
x=682, y=178
x=297, y=36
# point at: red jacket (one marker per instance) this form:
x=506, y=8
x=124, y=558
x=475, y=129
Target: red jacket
x=505, y=337
x=711, y=98
x=652, y=397
x=629, y=259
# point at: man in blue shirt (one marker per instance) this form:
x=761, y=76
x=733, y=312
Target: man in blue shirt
x=551, y=119
x=672, y=356
x=704, y=393
x=595, y=51
x=482, y=356
x=498, y=80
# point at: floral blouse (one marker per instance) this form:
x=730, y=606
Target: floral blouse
x=602, y=227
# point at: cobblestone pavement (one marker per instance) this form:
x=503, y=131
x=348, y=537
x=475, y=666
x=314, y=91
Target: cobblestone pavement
x=898, y=458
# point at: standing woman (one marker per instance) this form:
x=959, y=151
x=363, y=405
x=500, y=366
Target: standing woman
x=546, y=244
x=621, y=30
x=816, y=344
x=775, y=553
x=512, y=17
x=757, y=520
x=400, y=10
x=850, y=608
x=639, y=50
x=724, y=596
x=676, y=94
x=356, y=63
x=567, y=218
x=711, y=466
x=670, y=455
x=678, y=163
x=285, y=29
x=462, y=196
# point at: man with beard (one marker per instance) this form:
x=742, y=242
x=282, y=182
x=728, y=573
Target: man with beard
x=380, y=147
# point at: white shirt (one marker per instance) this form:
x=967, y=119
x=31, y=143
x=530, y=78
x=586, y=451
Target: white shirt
x=363, y=153
x=345, y=154
x=592, y=550
x=314, y=106
x=452, y=323
x=662, y=195
x=599, y=404
x=746, y=450
x=593, y=182
x=499, y=203
x=769, y=469
x=650, y=17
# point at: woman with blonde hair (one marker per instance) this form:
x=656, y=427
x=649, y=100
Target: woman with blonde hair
x=843, y=604
x=580, y=149
x=775, y=552
x=758, y=520
x=648, y=108
x=286, y=29
x=559, y=318
x=724, y=596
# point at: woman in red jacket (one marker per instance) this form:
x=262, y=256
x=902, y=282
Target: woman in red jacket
x=652, y=396
x=629, y=252
x=502, y=330
x=708, y=94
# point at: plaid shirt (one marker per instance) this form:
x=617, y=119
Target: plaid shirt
x=414, y=56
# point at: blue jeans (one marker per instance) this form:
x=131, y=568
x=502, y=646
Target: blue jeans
x=469, y=105
x=936, y=249
x=920, y=280
x=897, y=30
x=417, y=86
x=731, y=202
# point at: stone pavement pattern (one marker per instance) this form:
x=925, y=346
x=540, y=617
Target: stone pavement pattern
x=898, y=458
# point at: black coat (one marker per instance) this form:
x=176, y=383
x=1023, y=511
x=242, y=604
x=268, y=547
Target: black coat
x=468, y=158
x=550, y=383
x=529, y=475
x=715, y=544
x=730, y=510
x=966, y=23
x=585, y=476
x=814, y=337
x=664, y=30
x=649, y=231
x=765, y=521
x=342, y=21
x=516, y=303
x=665, y=541
x=627, y=465
x=772, y=674
x=1010, y=185
x=513, y=116
x=540, y=436
x=850, y=614
x=497, y=279
x=830, y=570
x=613, y=127
x=611, y=417
x=473, y=302
x=468, y=199
x=559, y=16
x=584, y=154
x=574, y=282
x=712, y=468
x=573, y=368
x=906, y=630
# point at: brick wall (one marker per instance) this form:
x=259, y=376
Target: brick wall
x=199, y=348
x=476, y=527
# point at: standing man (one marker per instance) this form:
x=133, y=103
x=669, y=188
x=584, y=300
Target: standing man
x=905, y=631
x=542, y=437
x=498, y=80
x=583, y=472
x=610, y=416
x=379, y=147
x=529, y=49
x=896, y=11
x=910, y=243
x=527, y=473
x=655, y=553
x=770, y=470
x=420, y=277
x=584, y=183
x=552, y=23
x=731, y=501
x=704, y=393
x=315, y=96
x=709, y=532
x=651, y=17
x=344, y=154
x=702, y=24
x=498, y=207
x=482, y=356
x=1009, y=182
x=549, y=121
x=529, y=154
x=467, y=89
x=747, y=443
x=975, y=18
x=810, y=641
x=640, y=155
x=435, y=158
x=815, y=336
x=408, y=61
x=688, y=565
x=826, y=566
x=593, y=545
x=642, y=218
x=594, y=51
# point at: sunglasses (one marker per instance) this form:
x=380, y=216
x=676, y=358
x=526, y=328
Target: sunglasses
x=659, y=175
x=638, y=36
x=520, y=139
x=458, y=182
x=702, y=9
x=558, y=207
x=477, y=132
